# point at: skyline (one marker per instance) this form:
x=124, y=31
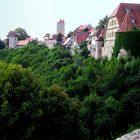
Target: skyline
x=38, y=17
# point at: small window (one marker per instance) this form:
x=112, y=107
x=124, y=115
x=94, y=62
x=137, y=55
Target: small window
x=133, y=20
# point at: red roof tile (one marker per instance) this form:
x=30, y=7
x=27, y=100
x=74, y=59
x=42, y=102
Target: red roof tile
x=100, y=33
x=126, y=24
x=81, y=37
x=24, y=42
x=134, y=13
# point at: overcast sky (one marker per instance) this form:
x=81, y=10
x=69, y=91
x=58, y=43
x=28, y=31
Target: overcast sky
x=40, y=16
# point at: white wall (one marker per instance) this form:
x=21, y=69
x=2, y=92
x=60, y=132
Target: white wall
x=13, y=42
x=112, y=28
x=61, y=28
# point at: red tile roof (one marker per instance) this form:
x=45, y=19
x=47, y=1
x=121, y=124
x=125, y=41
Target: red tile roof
x=100, y=33
x=82, y=27
x=126, y=24
x=24, y=42
x=81, y=33
x=81, y=37
x=134, y=13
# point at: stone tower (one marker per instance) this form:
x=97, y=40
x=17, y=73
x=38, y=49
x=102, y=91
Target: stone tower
x=13, y=39
x=61, y=27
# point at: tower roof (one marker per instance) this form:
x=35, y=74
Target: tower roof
x=61, y=21
x=12, y=34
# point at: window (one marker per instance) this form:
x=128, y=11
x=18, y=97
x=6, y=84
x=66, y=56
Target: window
x=128, y=10
x=133, y=20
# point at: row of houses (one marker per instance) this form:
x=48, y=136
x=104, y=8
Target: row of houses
x=101, y=41
x=49, y=39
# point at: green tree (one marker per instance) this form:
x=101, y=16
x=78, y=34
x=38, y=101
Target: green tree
x=2, y=45
x=102, y=23
x=22, y=34
x=20, y=100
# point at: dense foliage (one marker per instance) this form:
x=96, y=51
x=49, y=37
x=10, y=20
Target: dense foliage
x=2, y=45
x=56, y=96
x=130, y=41
x=22, y=34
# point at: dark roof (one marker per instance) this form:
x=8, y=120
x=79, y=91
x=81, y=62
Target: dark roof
x=12, y=34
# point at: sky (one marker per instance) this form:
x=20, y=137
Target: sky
x=39, y=17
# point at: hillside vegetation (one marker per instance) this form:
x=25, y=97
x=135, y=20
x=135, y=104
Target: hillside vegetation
x=51, y=94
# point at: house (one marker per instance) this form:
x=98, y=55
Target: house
x=96, y=42
x=13, y=40
x=50, y=40
x=78, y=36
x=124, y=18
x=81, y=33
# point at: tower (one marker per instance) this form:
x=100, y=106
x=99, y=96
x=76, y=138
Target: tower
x=13, y=39
x=61, y=27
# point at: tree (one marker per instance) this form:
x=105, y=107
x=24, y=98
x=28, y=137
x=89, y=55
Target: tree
x=6, y=42
x=20, y=100
x=130, y=41
x=22, y=34
x=59, y=38
x=102, y=23
x=2, y=45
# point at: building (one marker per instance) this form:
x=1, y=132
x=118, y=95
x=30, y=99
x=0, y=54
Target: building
x=81, y=33
x=13, y=39
x=78, y=36
x=124, y=18
x=61, y=27
x=96, y=42
x=50, y=40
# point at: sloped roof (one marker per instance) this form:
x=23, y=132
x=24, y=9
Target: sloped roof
x=121, y=10
x=126, y=24
x=83, y=27
x=12, y=34
x=24, y=42
x=100, y=33
x=54, y=36
x=81, y=37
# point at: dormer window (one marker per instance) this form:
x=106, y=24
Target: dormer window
x=128, y=10
x=133, y=20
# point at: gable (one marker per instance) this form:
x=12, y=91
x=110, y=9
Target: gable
x=134, y=12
